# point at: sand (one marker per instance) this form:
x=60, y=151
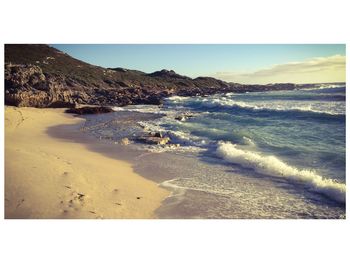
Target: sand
x=52, y=177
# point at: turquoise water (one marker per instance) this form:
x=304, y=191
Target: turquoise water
x=278, y=154
x=297, y=135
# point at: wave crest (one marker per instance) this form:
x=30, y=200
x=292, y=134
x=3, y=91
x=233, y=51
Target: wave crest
x=279, y=107
x=271, y=165
x=336, y=108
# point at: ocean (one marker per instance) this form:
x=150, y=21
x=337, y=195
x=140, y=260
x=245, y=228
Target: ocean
x=275, y=154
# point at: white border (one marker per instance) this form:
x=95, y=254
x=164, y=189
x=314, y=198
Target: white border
x=160, y=21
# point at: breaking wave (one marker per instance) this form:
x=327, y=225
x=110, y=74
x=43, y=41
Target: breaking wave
x=271, y=165
x=334, y=108
x=325, y=86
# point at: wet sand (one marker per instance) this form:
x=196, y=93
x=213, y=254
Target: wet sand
x=54, y=171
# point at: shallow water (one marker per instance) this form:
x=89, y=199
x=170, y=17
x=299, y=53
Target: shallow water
x=255, y=155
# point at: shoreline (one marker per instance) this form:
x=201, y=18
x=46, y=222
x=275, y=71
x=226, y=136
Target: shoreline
x=196, y=185
x=67, y=174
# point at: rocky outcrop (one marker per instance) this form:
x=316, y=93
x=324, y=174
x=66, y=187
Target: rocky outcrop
x=154, y=140
x=26, y=85
x=41, y=76
x=89, y=110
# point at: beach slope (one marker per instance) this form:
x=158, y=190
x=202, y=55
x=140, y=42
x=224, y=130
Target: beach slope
x=47, y=177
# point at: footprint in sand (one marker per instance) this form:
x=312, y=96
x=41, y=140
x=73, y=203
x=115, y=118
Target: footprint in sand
x=19, y=203
x=115, y=191
x=74, y=201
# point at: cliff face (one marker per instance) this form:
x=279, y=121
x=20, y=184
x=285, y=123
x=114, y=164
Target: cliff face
x=42, y=76
x=26, y=85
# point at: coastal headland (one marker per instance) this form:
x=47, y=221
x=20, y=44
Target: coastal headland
x=42, y=76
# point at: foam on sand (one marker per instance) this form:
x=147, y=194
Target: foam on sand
x=271, y=165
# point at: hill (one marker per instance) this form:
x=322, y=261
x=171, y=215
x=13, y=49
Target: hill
x=41, y=76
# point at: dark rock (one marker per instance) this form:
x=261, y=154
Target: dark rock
x=122, y=84
x=158, y=134
x=180, y=118
x=61, y=104
x=89, y=110
x=154, y=140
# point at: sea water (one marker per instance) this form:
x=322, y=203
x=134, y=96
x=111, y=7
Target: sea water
x=275, y=154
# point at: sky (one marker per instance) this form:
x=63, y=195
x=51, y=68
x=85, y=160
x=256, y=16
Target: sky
x=240, y=63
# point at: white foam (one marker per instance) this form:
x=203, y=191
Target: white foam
x=178, y=98
x=169, y=148
x=140, y=108
x=332, y=108
x=233, y=99
x=271, y=165
x=248, y=141
x=325, y=86
x=118, y=108
x=180, y=136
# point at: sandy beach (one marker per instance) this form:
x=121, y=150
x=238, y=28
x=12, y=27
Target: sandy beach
x=55, y=177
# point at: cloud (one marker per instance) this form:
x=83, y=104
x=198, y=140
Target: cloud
x=319, y=69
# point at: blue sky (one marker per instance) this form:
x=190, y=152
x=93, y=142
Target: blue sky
x=199, y=60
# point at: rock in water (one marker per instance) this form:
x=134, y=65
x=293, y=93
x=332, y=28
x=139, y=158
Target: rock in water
x=124, y=141
x=158, y=134
x=184, y=116
x=154, y=140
